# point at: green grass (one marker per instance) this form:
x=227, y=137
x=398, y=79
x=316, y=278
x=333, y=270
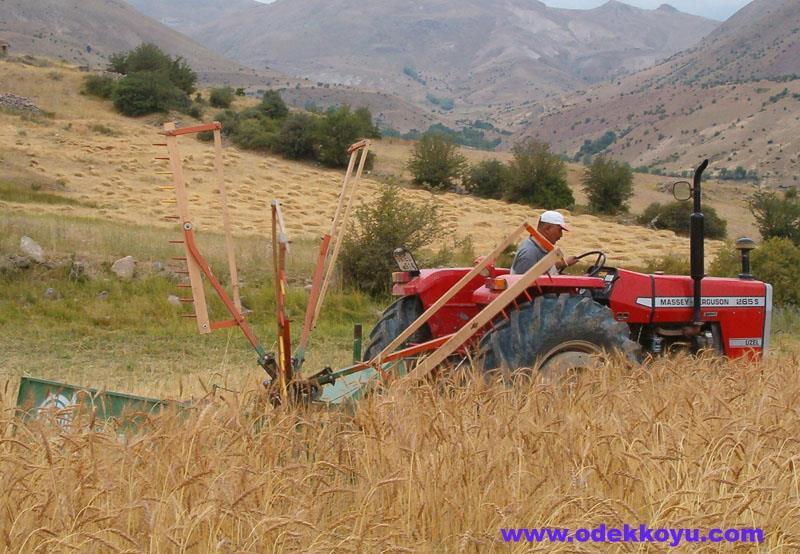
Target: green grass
x=134, y=340
x=30, y=192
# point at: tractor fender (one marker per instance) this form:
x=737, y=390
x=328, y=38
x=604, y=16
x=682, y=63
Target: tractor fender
x=545, y=284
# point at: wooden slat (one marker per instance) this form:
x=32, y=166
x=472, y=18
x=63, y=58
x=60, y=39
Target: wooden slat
x=343, y=226
x=455, y=289
x=182, y=199
x=173, y=132
x=226, y=219
x=484, y=316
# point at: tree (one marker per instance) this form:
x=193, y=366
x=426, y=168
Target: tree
x=149, y=58
x=337, y=130
x=675, y=217
x=487, y=179
x=608, y=185
x=221, y=97
x=381, y=226
x=296, y=137
x=776, y=216
x=538, y=178
x=435, y=162
x=272, y=105
x=148, y=92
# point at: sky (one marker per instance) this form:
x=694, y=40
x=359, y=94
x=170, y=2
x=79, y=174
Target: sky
x=714, y=9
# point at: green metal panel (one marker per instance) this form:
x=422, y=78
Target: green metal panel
x=37, y=396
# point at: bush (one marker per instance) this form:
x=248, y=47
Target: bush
x=296, y=137
x=435, y=162
x=675, y=217
x=538, y=178
x=149, y=58
x=775, y=261
x=255, y=134
x=221, y=97
x=337, y=130
x=670, y=264
x=272, y=105
x=609, y=186
x=381, y=226
x=488, y=179
x=101, y=86
x=776, y=216
x=590, y=148
x=147, y=92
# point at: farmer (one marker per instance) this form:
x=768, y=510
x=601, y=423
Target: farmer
x=551, y=226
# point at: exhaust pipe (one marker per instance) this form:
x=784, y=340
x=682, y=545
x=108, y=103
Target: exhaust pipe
x=697, y=255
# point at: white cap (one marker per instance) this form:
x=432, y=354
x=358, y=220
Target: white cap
x=555, y=218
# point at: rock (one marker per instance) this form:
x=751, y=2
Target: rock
x=103, y=295
x=308, y=288
x=18, y=103
x=125, y=267
x=174, y=300
x=32, y=249
x=158, y=267
x=20, y=262
x=52, y=294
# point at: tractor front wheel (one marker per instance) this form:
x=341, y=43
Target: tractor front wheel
x=396, y=319
x=556, y=334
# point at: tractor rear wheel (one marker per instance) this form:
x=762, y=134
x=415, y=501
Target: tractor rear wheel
x=396, y=319
x=558, y=334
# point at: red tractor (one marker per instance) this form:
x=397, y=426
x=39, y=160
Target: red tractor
x=559, y=321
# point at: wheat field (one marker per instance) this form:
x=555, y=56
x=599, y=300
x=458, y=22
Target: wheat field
x=440, y=468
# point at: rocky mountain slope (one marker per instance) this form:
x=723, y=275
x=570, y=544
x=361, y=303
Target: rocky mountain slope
x=465, y=57
x=734, y=98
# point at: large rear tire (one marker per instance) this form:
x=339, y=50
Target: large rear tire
x=556, y=334
x=396, y=319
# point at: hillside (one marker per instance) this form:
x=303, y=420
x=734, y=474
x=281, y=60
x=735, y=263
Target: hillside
x=457, y=58
x=760, y=41
x=87, y=32
x=700, y=103
x=187, y=16
x=104, y=164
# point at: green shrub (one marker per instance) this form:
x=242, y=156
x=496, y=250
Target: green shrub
x=538, y=178
x=337, y=130
x=775, y=261
x=296, y=137
x=608, y=185
x=675, y=217
x=221, y=97
x=487, y=179
x=435, y=162
x=148, y=92
x=255, y=134
x=101, y=86
x=149, y=58
x=379, y=227
x=776, y=216
x=670, y=264
x=272, y=105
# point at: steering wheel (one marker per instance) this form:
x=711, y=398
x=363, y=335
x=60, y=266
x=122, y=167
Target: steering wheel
x=596, y=266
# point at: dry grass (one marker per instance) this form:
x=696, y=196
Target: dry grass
x=681, y=443
x=117, y=174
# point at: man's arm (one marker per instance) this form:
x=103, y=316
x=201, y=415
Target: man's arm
x=568, y=261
